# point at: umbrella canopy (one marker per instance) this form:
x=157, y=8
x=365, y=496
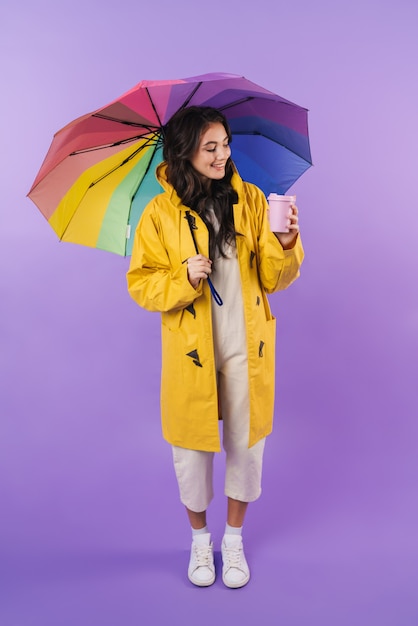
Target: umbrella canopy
x=99, y=172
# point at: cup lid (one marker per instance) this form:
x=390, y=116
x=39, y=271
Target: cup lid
x=277, y=196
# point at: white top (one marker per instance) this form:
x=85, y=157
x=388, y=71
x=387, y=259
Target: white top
x=228, y=319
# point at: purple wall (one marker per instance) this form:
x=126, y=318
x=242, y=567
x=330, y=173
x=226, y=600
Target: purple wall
x=91, y=530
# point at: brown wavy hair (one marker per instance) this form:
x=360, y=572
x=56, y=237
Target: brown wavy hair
x=181, y=140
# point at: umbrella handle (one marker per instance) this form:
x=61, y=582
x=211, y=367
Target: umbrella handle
x=215, y=294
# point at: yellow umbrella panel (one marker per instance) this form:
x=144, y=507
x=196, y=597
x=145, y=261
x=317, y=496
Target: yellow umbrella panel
x=95, y=211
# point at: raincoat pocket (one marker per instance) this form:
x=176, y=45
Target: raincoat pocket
x=266, y=353
x=172, y=319
x=179, y=350
x=263, y=387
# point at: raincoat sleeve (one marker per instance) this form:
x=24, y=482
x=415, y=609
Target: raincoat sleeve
x=278, y=268
x=153, y=282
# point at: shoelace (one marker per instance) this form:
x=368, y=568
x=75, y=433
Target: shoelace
x=203, y=555
x=233, y=556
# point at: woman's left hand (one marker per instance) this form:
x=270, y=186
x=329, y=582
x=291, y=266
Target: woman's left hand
x=288, y=240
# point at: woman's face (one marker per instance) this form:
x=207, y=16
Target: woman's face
x=213, y=152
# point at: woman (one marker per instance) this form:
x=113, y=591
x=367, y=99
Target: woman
x=205, y=257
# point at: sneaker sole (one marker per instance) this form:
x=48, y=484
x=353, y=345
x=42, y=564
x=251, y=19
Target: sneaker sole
x=201, y=583
x=236, y=585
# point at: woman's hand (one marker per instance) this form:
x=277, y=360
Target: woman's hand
x=288, y=240
x=198, y=267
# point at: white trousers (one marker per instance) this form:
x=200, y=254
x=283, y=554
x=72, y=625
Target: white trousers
x=194, y=468
x=194, y=472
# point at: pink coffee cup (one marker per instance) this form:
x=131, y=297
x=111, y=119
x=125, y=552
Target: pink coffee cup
x=279, y=212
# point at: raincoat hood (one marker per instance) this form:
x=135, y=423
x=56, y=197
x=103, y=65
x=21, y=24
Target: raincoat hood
x=161, y=174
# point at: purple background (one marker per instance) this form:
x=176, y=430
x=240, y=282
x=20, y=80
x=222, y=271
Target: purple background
x=91, y=530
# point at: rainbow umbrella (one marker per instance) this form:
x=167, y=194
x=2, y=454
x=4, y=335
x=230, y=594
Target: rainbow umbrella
x=99, y=172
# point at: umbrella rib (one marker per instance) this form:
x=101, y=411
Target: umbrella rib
x=116, y=143
x=185, y=103
x=190, y=96
x=256, y=132
x=126, y=122
x=153, y=107
x=248, y=98
x=147, y=169
x=144, y=175
x=236, y=103
x=126, y=160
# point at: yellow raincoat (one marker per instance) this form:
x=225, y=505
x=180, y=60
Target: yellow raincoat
x=157, y=281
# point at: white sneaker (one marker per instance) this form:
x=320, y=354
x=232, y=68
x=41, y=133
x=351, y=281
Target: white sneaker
x=201, y=570
x=235, y=571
